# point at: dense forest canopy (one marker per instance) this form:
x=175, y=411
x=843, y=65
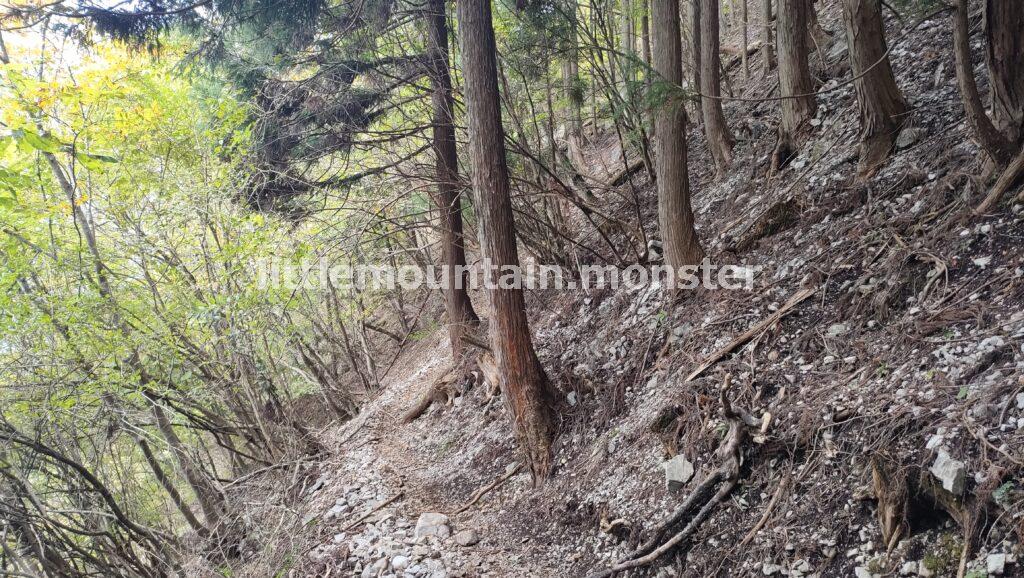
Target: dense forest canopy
x=182, y=181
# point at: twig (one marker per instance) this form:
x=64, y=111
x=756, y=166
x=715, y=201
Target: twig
x=480, y=493
x=767, y=511
x=795, y=300
x=372, y=511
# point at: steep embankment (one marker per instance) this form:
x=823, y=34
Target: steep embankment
x=904, y=359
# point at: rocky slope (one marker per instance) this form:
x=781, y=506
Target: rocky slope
x=893, y=392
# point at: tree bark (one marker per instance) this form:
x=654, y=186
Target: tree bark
x=448, y=198
x=766, y=36
x=168, y=485
x=675, y=216
x=795, y=85
x=528, y=393
x=746, y=41
x=209, y=498
x=1004, y=26
x=627, y=46
x=880, y=104
x=987, y=135
x=716, y=130
x=695, y=52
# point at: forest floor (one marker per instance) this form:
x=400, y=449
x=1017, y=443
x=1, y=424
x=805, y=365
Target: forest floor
x=902, y=368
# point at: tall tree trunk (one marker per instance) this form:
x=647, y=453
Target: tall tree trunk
x=168, y=485
x=715, y=128
x=530, y=397
x=209, y=498
x=746, y=41
x=627, y=47
x=571, y=85
x=448, y=199
x=767, y=41
x=1004, y=26
x=645, y=44
x=695, y=52
x=795, y=85
x=987, y=135
x=879, y=101
x=675, y=217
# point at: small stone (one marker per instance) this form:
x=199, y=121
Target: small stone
x=466, y=537
x=432, y=524
x=862, y=572
x=399, y=563
x=924, y=570
x=837, y=329
x=571, y=399
x=908, y=568
x=1020, y=401
x=995, y=563
x=770, y=569
x=951, y=472
x=678, y=471
x=909, y=136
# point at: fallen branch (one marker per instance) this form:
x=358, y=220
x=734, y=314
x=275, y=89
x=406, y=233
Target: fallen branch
x=480, y=493
x=767, y=511
x=1006, y=181
x=795, y=300
x=375, y=509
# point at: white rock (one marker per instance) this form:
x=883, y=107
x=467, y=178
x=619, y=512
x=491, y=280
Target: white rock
x=432, y=524
x=862, y=572
x=770, y=569
x=908, y=568
x=837, y=329
x=951, y=472
x=995, y=563
x=678, y=471
x=399, y=563
x=466, y=537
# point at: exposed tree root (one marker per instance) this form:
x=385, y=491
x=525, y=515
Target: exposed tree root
x=441, y=391
x=480, y=493
x=725, y=478
x=1011, y=176
x=779, y=217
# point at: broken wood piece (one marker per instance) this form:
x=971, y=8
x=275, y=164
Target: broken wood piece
x=1010, y=177
x=480, y=493
x=747, y=335
x=373, y=510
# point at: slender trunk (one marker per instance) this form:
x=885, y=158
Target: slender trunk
x=168, y=485
x=795, y=86
x=571, y=82
x=675, y=217
x=448, y=198
x=715, y=128
x=767, y=40
x=627, y=47
x=746, y=42
x=1004, y=26
x=528, y=393
x=209, y=498
x=695, y=50
x=987, y=135
x=879, y=101
x=645, y=44
x=819, y=37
